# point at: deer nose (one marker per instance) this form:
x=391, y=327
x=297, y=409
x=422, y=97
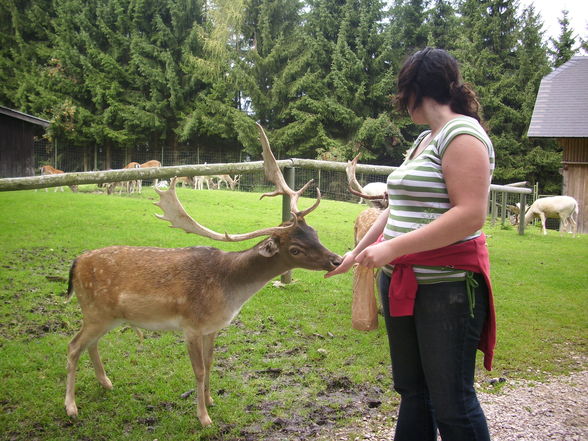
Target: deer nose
x=336, y=260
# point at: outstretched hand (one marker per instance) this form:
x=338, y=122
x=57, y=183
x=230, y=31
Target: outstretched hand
x=346, y=264
x=374, y=256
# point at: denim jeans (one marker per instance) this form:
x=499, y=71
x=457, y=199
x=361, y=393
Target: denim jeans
x=433, y=362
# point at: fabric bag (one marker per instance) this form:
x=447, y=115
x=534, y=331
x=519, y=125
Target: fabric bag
x=364, y=309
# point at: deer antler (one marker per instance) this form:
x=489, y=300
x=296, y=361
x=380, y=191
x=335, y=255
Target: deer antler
x=274, y=174
x=175, y=214
x=354, y=186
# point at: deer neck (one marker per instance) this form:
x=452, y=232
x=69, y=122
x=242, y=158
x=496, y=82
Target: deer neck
x=248, y=272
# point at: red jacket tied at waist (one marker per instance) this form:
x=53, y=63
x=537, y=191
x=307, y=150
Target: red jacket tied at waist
x=471, y=255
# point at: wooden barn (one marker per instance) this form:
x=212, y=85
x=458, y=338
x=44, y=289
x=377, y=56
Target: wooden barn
x=561, y=112
x=17, y=132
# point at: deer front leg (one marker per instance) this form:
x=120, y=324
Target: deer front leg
x=208, y=356
x=196, y=351
x=543, y=222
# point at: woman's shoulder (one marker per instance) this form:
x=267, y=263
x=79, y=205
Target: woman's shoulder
x=462, y=125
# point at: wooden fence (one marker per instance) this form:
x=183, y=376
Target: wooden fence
x=497, y=205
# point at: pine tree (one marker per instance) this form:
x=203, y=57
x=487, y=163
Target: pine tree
x=564, y=47
x=25, y=29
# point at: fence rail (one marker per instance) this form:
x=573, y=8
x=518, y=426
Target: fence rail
x=329, y=175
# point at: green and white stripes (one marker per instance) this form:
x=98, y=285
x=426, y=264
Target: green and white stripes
x=418, y=193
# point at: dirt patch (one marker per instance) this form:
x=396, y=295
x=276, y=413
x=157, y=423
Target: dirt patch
x=555, y=410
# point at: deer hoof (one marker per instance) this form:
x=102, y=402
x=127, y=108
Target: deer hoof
x=105, y=382
x=205, y=420
x=72, y=410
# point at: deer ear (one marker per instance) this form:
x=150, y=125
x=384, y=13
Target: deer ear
x=269, y=247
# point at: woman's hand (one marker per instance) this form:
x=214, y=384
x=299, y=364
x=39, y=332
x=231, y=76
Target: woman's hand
x=346, y=264
x=377, y=255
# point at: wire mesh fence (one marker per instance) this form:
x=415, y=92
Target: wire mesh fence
x=332, y=184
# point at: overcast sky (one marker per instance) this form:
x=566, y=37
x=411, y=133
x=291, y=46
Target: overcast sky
x=550, y=11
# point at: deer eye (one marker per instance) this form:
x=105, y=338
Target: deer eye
x=295, y=251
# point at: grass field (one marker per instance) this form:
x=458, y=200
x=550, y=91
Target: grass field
x=287, y=367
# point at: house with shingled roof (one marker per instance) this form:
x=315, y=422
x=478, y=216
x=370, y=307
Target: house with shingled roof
x=561, y=112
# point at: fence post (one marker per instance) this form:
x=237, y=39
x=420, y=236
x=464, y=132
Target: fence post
x=522, y=203
x=493, y=207
x=290, y=178
x=503, y=207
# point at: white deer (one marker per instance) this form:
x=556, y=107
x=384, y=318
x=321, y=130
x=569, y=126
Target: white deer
x=563, y=207
x=198, y=290
x=375, y=192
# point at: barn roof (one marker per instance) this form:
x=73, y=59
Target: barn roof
x=23, y=116
x=561, y=107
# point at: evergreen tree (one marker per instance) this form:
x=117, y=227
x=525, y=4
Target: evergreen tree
x=25, y=27
x=443, y=25
x=564, y=47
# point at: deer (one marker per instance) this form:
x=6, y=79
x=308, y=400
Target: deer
x=564, y=208
x=374, y=192
x=49, y=170
x=197, y=290
x=148, y=164
x=128, y=186
x=364, y=278
x=228, y=180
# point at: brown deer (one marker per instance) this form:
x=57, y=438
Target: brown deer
x=198, y=290
x=49, y=170
x=148, y=164
x=364, y=278
x=128, y=186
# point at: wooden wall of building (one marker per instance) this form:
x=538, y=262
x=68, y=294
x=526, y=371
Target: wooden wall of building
x=575, y=176
x=16, y=147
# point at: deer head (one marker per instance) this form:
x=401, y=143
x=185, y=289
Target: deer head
x=296, y=242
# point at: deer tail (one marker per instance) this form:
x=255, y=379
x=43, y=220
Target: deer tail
x=70, y=288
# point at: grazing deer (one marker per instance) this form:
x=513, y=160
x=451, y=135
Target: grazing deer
x=186, y=181
x=128, y=186
x=148, y=164
x=49, y=170
x=230, y=182
x=200, y=181
x=374, y=192
x=198, y=290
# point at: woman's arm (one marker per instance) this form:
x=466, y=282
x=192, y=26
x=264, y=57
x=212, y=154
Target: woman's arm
x=370, y=237
x=466, y=171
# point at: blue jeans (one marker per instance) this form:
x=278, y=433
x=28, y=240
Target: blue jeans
x=433, y=362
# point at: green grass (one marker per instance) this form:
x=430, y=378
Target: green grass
x=289, y=364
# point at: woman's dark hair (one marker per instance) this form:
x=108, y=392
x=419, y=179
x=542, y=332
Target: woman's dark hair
x=435, y=73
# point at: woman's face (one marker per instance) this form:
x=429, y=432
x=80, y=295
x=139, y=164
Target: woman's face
x=414, y=111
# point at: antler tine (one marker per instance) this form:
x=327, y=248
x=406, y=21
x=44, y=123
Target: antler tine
x=176, y=215
x=274, y=174
x=350, y=171
x=354, y=186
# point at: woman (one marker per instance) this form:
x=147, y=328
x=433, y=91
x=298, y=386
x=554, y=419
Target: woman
x=438, y=308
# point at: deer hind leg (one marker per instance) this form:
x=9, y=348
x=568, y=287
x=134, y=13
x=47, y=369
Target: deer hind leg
x=98, y=367
x=87, y=337
x=196, y=351
x=208, y=350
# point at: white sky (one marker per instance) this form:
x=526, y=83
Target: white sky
x=550, y=11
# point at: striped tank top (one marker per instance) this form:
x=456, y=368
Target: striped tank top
x=418, y=194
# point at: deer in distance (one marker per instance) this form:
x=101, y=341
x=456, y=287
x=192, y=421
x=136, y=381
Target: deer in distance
x=197, y=290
